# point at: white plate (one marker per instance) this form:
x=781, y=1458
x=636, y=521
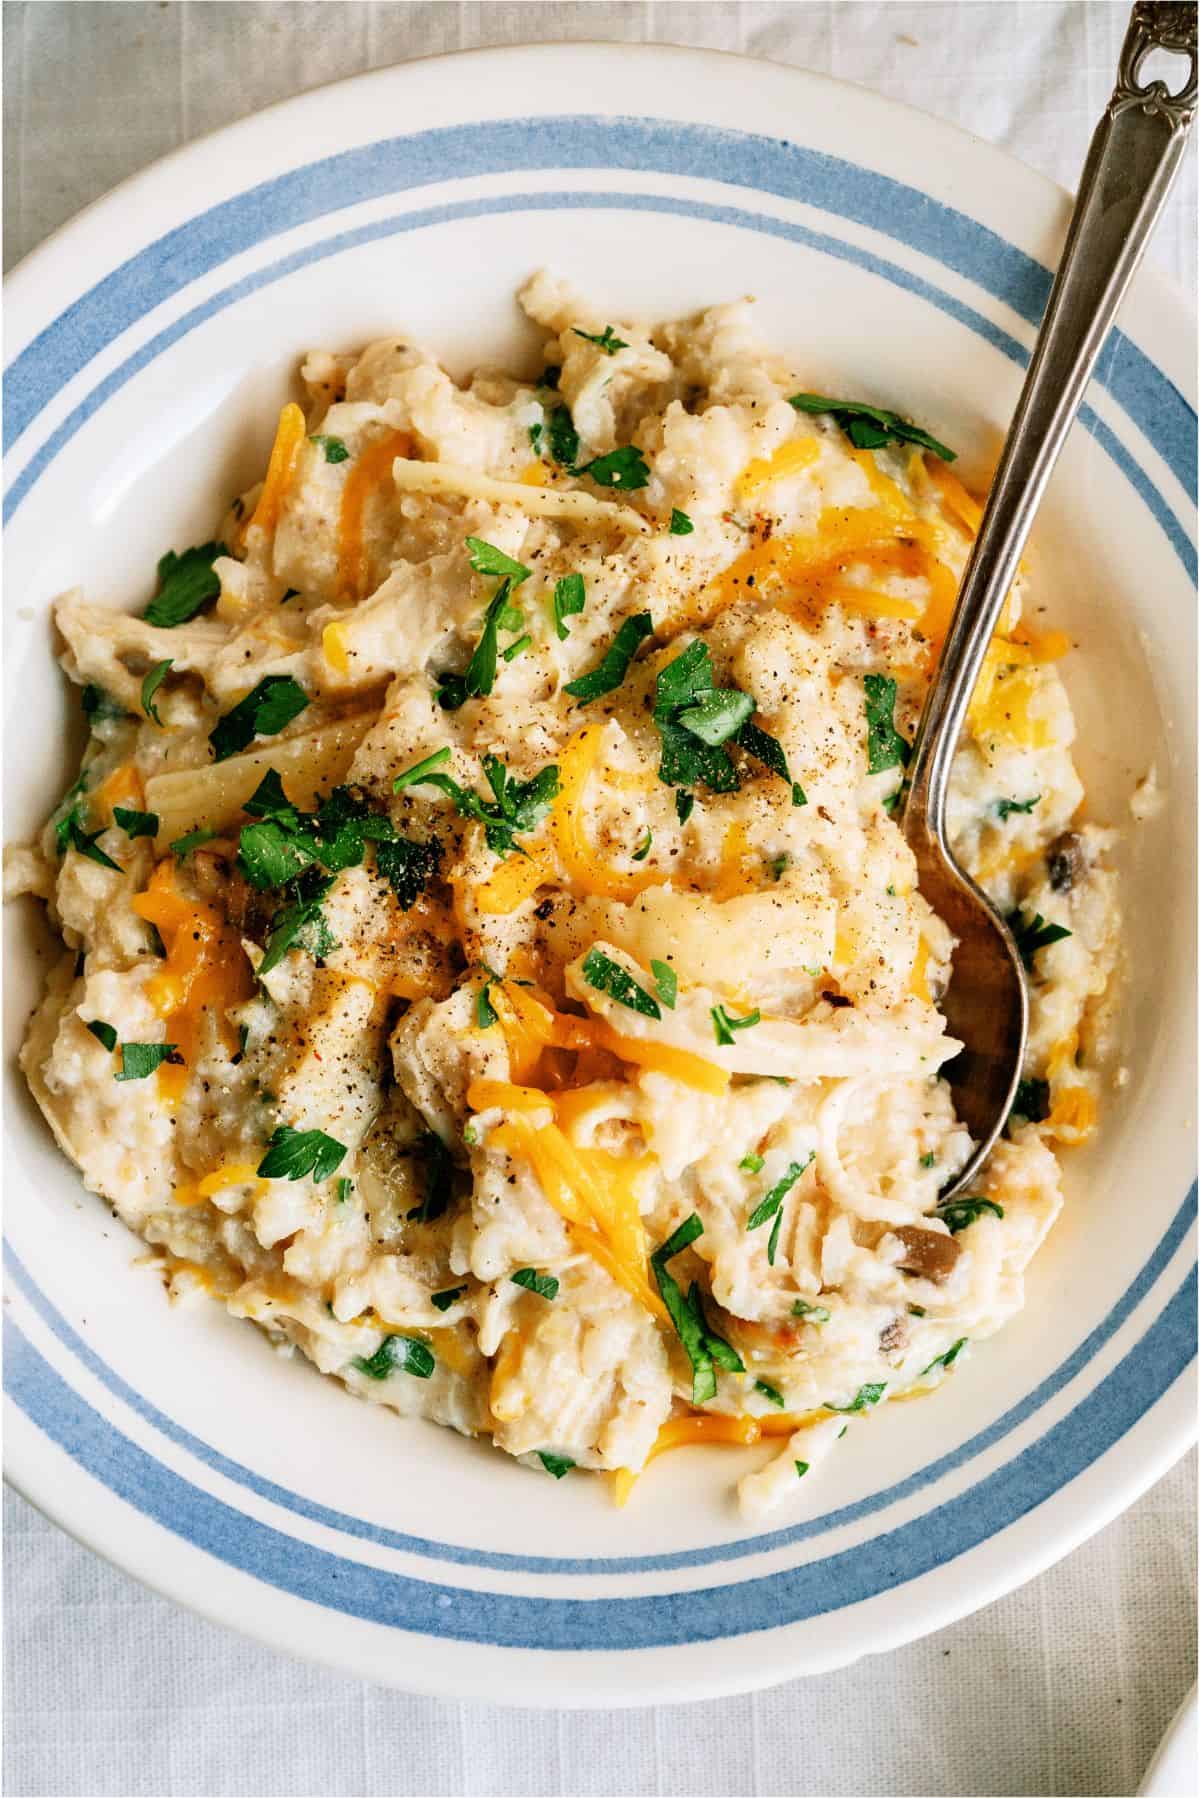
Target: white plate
x=150, y=343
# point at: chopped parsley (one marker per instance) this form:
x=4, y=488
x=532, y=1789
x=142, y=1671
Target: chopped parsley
x=643, y=848
x=801, y=1469
x=342, y=1188
x=335, y=449
x=695, y=720
x=613, y=666
x=886, y=748
x=680, y=525
x=264, y=712
x=684, y=804
x=140, y=1059
x=705, y=1350
x=929, y=1159
x=871, y=427
x=516, y=805
x=772, y=1393
x=1032, y=1101
x=625, y=469
x=816, y=1314
x=769, y=751
x=100, y=707
x=439, y=1168
x=300, y=925
x=751, y=1164
x=535, y=434
x=1032, y=934
x=87, y=845
x=136, y=824
x=865, y=1397
x=772, y=1201
x=605, y=340
x=717, y=715
x=607, y=977
x=186, y=584
x=956, y=1214
x=442, y=1301
x=103, y=1033
x=485, y=1012
x=412, y=776
x=150, y=686
x=397, y=1354
x=569, y=600
x=545, y=1285
x=724, y=1026
x=666, y=983
x=485, y=558
x=295, y=1154
x=916, y=1310
x=408, y=866
x=562, y=439
x=184, y=845
x=947, y=1360
x=68, y=813
x=1006, y=807
x=554, y=1464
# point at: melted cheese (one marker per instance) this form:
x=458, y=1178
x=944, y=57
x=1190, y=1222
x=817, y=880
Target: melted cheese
x=585, y=871
x=372, y=467
x=285, y=451
x=122, y=787
x=789, y=459
x=205, y=970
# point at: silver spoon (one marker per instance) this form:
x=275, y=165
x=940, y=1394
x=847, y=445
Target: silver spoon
x=1132, y=160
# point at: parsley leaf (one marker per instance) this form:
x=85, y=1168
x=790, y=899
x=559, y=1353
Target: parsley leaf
x=643, y=848
x=408, y=866
x=140, y=1059
x=85, y=844
x=751, y=1164
x=335, y=449
x=802, y=1468
x=442, y=1301
x=679, y=689
x=184, y=845
x=716, y=715
x=1005, y=807
x=545, y=1285
x=724, y=1026
x=624, y=468
x=681, y=525
x=886, y=748
x=865, y=1397
x=103, y=1033
x=269, y=854
x=397, y=1354
x=186, y=583
x=666, y=983
x=485, y=1012
x=957, y=1214
x=684, y=803
x=688, y=1327
x=870, y=427
x=1032, y=1101
x=100, y=707
x=487, y=559
x=68, y=813
x=1032, y=934
x=272, y=704
x=136, y=824
x=613, y=666
x=518, y=805
x=769, y=1392
x=816, y=1314
x=769, y=751
x=771, y=1202
x=342, y=1189
x=293, y=1154
x=418, y=770
x=569, y=599
x=562, y=439
x=150, y=686
x=555, y=1464
x=607, y=977
x=291, y=923
x=947, y=1360
x=604, y=340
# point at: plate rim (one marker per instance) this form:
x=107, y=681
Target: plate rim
x=1161, y=291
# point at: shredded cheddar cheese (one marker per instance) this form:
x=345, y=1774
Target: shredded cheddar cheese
x=372, y=467
x=285, y=452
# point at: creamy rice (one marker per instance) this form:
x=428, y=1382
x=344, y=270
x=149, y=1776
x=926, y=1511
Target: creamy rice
x=582, y=1088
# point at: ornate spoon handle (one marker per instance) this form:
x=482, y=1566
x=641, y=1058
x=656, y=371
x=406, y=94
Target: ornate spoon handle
x=1134, y=154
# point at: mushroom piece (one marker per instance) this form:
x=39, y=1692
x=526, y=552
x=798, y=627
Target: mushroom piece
x=927, y=1252
x=1066, y=861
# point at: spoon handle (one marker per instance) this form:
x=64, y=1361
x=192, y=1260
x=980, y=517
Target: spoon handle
x=1132, y=160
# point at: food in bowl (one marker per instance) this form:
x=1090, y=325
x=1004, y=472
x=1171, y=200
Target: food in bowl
x=491, y=963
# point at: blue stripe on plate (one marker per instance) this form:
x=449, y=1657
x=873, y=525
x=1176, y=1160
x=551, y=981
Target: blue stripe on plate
x=512, y=1620
x=457, y=1555
x=461, y=152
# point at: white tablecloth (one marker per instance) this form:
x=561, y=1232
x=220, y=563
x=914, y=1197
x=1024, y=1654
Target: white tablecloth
x=1064, y=1687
